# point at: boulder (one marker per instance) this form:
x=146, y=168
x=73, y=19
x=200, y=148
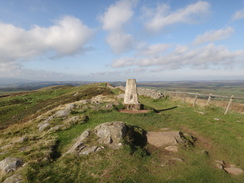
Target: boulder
x=10, y=164
x=14, y=179
x=111, y=133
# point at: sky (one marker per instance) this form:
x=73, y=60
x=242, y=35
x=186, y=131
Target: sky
x=109, y=40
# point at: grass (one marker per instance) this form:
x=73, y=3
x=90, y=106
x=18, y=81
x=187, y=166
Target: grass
x=222, y=139
x=26, y=106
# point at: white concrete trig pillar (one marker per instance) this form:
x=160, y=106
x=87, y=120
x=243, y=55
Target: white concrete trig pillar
x=131, y=97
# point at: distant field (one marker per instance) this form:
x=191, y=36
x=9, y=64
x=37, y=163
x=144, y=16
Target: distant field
x=228, y=88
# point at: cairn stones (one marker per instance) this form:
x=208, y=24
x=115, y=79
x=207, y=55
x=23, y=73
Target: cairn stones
x=131, y=96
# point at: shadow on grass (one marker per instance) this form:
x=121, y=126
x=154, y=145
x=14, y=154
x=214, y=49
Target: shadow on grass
x=55, y=153
x=162, y=110
x=137, y=141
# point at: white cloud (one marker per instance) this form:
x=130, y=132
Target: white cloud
x=238, y=14
x=161, y=17
x=156, y=49
x=214, y=35
x=208, y=56
x=9, y=68
x=123, y=62
x=15, y=70
x=68, y=36
x=113, y=20
x=117, y=15
x=119, y=41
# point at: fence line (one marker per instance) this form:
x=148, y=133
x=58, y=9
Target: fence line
x=209, y=97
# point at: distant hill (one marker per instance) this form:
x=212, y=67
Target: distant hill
x=15, y=84
x=5, y=82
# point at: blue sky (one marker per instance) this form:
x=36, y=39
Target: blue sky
x=111, y=40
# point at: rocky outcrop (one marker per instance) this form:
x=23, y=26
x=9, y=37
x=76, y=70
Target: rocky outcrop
x=231, y=169
x=43, y=126
x=109, y=134
x=14, y=179
x=169, y=139
x=10, y=164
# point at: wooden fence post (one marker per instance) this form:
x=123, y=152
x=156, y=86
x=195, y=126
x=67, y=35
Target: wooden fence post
x=228, y=106
x=184, y=97
x=195, y=101
x=209, y=98
x=241, y=108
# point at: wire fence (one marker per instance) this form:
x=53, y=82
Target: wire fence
x=229, y=103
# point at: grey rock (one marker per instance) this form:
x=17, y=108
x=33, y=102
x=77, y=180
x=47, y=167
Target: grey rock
x=69, y=106
x=84, y=101
x=234, y=170
x=48, y=119
x=24, y=139
x=111, y=133
x=232, y=166
x=62, y=113
x=109, y=106
x=57, y=128
x=72, y=120
x=220, y=164
x=88, y=150
x=25, y=148
x=14, y=179
x=3, y=152
x=96, y=102
x=43, y=126
x=162, y=139
x=171, y=148
x=10, y=164
x=79, y=142
x=7, y=146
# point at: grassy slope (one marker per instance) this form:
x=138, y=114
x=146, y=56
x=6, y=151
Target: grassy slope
x=27, y=105
x=223, y=139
